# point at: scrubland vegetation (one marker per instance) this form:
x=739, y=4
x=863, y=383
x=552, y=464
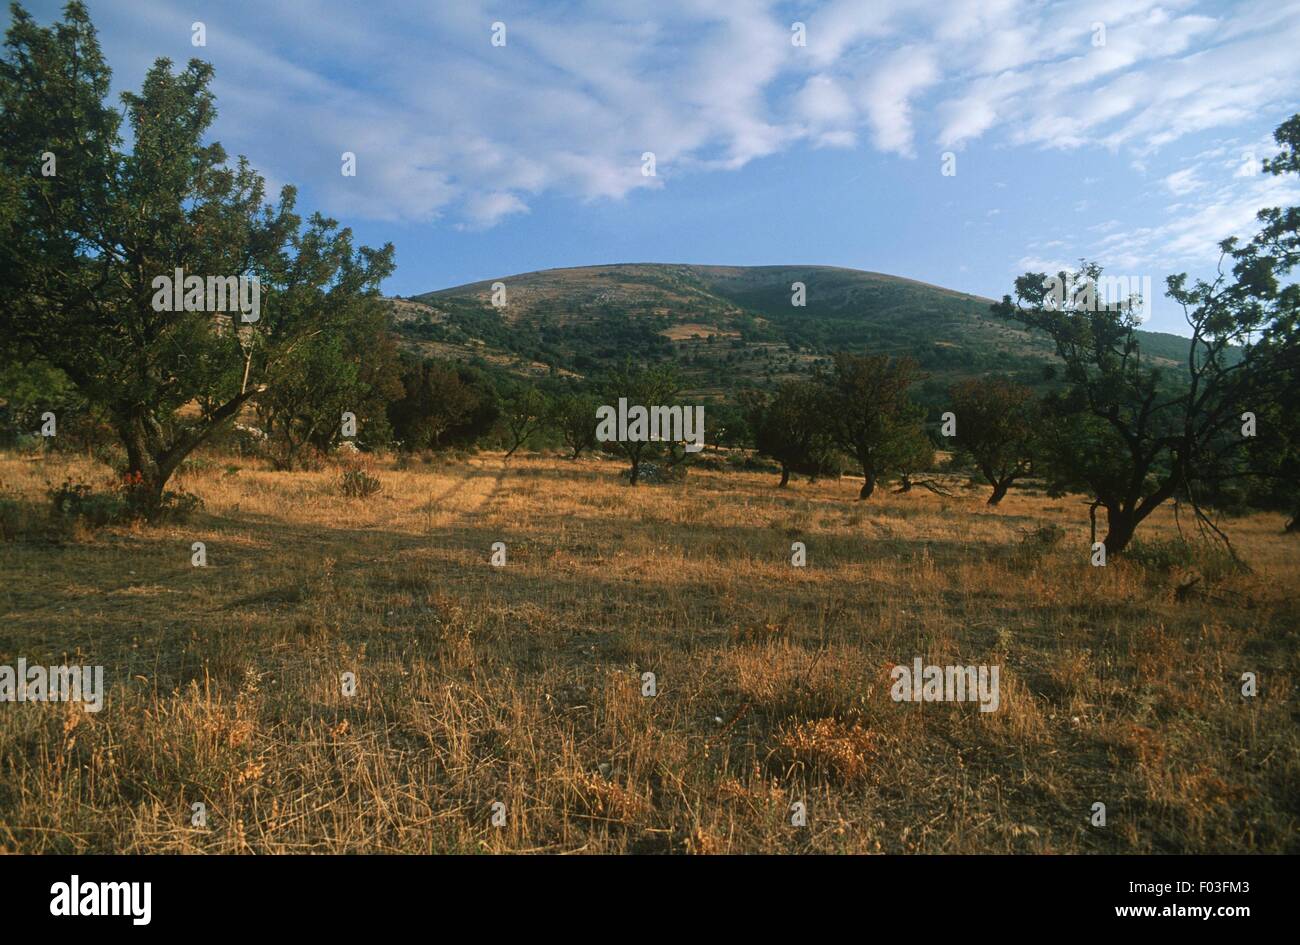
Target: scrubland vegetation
x=522, y=684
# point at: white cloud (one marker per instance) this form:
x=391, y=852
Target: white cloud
x=1182, y=182
x=887, y=95
x=447, y=126
x=486, y=210
x=1191, y=234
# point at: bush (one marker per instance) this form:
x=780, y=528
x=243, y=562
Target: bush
x=178, y=507
x=12, y=520
x=651, y=473
x=111, y=455
x=750, y=462
x=78, y=502
x=1178, y=556
x=1036, y=543
x=126, y=502
x=1161, y=556
x=1044, y=537
x=358, y=484
x=712, y=463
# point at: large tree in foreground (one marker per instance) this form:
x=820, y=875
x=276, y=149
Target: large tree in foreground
x=87, y=226
x=1119, y=430
x=1136, y=433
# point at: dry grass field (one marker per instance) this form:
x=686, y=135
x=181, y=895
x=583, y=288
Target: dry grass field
x=522, y=684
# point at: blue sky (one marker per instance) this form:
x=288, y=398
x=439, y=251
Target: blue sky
x=1126, y=131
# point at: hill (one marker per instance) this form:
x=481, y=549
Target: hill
x=726, y=326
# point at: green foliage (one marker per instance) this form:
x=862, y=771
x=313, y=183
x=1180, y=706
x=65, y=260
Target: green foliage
x=726, y=424
x=443, y=405
x=588, y=319
x=29, y=389
x=996, y=423
x=1044, y=536
x=524, y=411
x=1134, y=435
x=127, y=501
x=573, y=414
x=870, y=416
x=1210, y=561
x=81, y=503
x=355, y=370
x=791, y=428
x=646, y=386
x=80, y=251
x=1036, y=543
x=1125, y=430
x=1271, y=470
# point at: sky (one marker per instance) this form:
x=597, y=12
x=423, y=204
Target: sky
x=498, y=138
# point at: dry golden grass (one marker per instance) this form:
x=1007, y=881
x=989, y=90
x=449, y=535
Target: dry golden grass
x=522, y=684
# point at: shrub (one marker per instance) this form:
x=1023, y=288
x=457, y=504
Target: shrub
x=1161, y=556
x=127, y=501
x=178, y=507
x=1043, y=537
x=749, y=462
x=1035, y=543
x=358, y=484
x=78, y=502
x=111, y=455
x=1210, y=561
x=712, y=462
x=12, y=520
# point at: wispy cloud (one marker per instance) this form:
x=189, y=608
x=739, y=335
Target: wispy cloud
x=446, y=125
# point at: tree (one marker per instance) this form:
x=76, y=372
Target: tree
x=646, y=386
x=82, y=249
x=915, y=454
x=441, y=406
x=1275, y=461
x=354, y=371
x=574, y=415
x=726, y=425
x=870, y=415
x=995, y=421
x=1136, y=435
x=1126, y=449
x=1274, y=452
x=525, y=411
x=30, y=390
x=789, y=427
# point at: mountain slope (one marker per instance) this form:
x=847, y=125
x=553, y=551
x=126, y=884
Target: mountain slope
x=725, y=326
